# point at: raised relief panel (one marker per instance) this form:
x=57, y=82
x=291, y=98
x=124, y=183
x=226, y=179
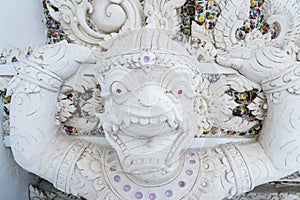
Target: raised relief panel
x=91, y=23
x=130, y=78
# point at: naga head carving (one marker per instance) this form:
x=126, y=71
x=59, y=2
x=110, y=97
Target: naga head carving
x=148, y=82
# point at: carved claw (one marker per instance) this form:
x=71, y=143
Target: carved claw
x=62, y=58
x=227, y=60
x=90, y=59
x=256, y=64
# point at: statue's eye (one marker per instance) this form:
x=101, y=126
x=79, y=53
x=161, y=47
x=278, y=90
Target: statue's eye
x=118, y=89
x=179, y=90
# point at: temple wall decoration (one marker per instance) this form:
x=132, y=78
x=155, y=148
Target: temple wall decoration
x=158, y=100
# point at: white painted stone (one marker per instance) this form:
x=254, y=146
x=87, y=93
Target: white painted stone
x=14, y=180
x=155, y=102
x=22, y=24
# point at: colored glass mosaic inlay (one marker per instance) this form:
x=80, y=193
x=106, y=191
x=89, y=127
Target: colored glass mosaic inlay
x=206, y=13
x=187, y=15
x=255, y=21
x=13, y=55
x=54, y=31
x=80, y=100
x=243, y=99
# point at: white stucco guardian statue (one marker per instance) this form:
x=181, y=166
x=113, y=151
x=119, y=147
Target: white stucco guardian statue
x=148, y=82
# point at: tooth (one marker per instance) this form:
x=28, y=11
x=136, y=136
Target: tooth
x=171, y=116
x=118, y=141
x=123, y=148
x=171, y=120
x=154, y=160
x=122, y=126
x=115, y=128
x=134, y=119
x=126, y=122
x=144, y=121
x=114, y=137
x=126, y=152
x=172, y=124
x=154, y=120
x=162, y=118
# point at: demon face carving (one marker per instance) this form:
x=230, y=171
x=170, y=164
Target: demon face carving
x=149, y=117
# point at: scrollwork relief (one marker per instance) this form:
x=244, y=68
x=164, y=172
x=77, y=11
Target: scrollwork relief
x=162, y=14
x=211, y=98
x=106, y=19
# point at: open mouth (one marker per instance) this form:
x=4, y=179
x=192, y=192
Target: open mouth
x=147, y=145
x=149, y=139
x=141, y=130
x=146, y=132
x=149, y=121
x=140, y=154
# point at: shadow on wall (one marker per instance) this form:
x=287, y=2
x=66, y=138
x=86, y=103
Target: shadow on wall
x=14, y=180
x=19, y=31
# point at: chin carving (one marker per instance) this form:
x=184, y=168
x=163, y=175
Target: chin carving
x=151, y=98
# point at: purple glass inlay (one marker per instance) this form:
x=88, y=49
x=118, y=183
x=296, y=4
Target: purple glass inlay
x=189, y=172
x=191, y=153
x=109, y=160
x=113, y=168
x=181, y=184
x=110, y=152
x=146, y=59
x=117, y=178
x=192, y=161
x=139, y=195
x=152, y=196
x=168, y=193
x=126, y=188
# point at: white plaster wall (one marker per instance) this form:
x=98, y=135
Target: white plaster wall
x=21, y=24
x=14, y=180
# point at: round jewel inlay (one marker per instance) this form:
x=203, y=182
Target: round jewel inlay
x=146, y=59
x=117, y=178
x=152, y=196
x=169, y=193
x=126, y=188
x=113, y=168
x=181, y=183
x=189, y=172
x=139, y=195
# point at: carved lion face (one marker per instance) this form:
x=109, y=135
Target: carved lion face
x=149, y=118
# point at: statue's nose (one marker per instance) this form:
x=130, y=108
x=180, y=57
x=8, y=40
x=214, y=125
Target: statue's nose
x=150, y=95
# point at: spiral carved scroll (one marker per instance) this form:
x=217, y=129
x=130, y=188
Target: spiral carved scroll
x=93, y=23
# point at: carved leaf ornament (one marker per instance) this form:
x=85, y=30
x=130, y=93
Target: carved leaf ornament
x=90, y=23
x=155, y=97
